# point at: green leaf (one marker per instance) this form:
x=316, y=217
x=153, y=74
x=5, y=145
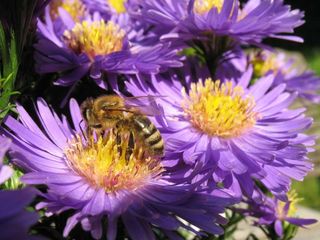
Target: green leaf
x=8, y=71
x=13, y=56
x=14, y=182
x=3, y=48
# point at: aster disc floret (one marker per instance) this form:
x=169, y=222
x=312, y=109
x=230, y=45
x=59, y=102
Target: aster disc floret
x=219, y=109
x=118, y=5
x=264, y=62
x=101, y=163
x=75, y=8
x=204, y=6
x=283, y=211
x=93, y=176
x=243, y=133
x=111, y=8
x=95, y=38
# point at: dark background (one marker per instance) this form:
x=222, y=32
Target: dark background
x=310, y=31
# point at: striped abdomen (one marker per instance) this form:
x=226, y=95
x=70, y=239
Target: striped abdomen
x=149, y=135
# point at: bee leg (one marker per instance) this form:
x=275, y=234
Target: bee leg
x=130, y=147
x=88, y=132
x=116, y=132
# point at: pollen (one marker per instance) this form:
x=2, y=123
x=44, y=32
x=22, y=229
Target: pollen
x=118, y=5
x=95, y=38
x=204, y=6
x=219, y=109
x=104, y=164
x=75, y=8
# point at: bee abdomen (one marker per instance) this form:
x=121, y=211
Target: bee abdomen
x=158, y=148
x=154, y=138
x=144, y=126
x=150, y=135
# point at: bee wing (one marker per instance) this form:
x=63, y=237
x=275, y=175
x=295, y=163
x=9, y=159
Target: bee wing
x=146, y=104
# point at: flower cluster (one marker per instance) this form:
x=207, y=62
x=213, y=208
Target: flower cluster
x=76, y=40
x=191, y=121
x=196, y=19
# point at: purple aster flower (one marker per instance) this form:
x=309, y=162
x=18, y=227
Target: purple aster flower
x=285, y=67
x=271, y=211
x=92, y=176
x=239, y=132
x=206, y=19
x=288, y=71
x=123, y=13
x=15, y=221
x=75, y=43
x=214, y=28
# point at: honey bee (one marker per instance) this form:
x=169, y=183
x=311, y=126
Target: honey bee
x=124, y=118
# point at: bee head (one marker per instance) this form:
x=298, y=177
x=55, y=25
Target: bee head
x=110, y=102
x=88, y=114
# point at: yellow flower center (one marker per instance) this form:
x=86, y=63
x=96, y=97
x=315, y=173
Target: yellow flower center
x=263, y=63
x=204, y=6
x=106, y=165
x=95, y=38
x=294, y=200
x=219, y=109
x=118, y=5
x=75, y=8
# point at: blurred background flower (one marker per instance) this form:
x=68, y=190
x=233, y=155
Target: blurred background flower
x=307, y=55
x=15, y=219
x=275, y=214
